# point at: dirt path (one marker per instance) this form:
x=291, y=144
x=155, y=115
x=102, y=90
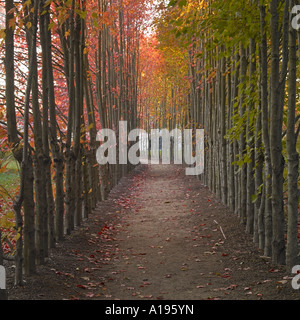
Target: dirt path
x=160, y=235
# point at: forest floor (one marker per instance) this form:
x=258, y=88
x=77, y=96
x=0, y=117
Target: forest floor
x=161, y=235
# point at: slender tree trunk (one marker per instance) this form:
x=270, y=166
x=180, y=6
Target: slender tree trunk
x=265, y=237
x=292, y=252
x=223, y=131
x=56, y=223
x=250, y=142
x=70, y=157
x=48, y=234
x=78, y=119
x=27, y=165
x=242, y=145
x=278, y=242
x=259, y=161
x=38, y=157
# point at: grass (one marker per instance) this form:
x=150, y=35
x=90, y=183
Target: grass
x=9, y=186
x=9, y=179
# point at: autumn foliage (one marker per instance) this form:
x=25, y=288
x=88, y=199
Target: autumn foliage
x=72, y=67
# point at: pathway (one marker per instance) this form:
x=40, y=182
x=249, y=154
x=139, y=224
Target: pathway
x=160, y=235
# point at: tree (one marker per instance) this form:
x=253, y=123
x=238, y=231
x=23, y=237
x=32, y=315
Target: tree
x=292, y=154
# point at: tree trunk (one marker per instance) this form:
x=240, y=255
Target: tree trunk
x=70, y=157
x=223, y=131
x=292, y=250
x=266, y=203
x=250, y=142
x=242, y=145
x=38, y=158
x=58, y=224
x=278, y=242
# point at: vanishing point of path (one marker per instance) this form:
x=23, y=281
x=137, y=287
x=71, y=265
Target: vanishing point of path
x=161, y=235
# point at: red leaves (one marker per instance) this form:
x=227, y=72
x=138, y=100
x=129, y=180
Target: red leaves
x=63, y=273
x=124, y=202
x=103, y=230
x=81, y=286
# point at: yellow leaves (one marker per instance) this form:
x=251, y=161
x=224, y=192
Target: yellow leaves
x=6, y=220
x=28, y=25
x=17, y=237
x=27, y=3
x=2, y=33
x=91, y=126
x=52, y=25
x=81, y=13
x=86, y=50
x=12, y=23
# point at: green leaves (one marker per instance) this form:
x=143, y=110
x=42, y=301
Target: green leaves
x=81, y=13
x=181, y=3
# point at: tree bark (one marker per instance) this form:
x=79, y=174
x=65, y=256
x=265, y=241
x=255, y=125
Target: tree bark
x=242, y=145
x=278, y=242
x=250, y=141
x=266, y=236
x=292, y=249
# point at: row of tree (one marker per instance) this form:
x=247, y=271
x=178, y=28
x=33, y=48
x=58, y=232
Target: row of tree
x=71, y=68
x=243, y=59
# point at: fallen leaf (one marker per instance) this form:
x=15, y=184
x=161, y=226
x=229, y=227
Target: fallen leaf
x=183, y=269
x=85, y=278
x=81, y=286
x=282, y=281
